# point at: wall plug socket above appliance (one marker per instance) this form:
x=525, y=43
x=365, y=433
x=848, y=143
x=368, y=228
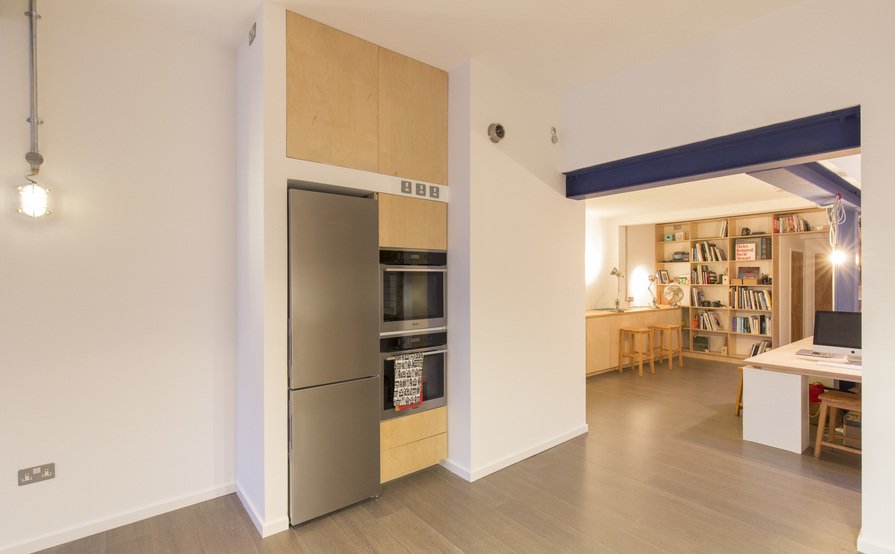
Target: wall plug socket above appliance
x=36, y=474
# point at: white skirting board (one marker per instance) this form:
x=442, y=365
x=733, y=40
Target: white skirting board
x=116, y=520
x=506, y=461
x=264, y=528
x=866, y=546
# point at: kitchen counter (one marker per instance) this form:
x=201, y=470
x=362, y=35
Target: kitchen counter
x=602, y=332
x=611, y=311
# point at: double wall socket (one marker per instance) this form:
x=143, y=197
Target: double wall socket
x=37, y=473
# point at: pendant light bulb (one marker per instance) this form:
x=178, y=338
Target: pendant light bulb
x=33, y=200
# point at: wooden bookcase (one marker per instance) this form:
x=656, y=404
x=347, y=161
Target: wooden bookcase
x=700, y=256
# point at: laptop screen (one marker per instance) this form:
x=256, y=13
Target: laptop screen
x=837, y=329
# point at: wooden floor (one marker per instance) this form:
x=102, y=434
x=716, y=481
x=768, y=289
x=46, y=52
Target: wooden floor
x=663, y=469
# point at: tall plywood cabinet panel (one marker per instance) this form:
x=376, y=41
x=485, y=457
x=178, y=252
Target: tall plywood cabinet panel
x=413, y=223
x=413, y=118
x=331, y=95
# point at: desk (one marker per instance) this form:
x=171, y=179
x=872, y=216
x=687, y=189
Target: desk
x=775, y=395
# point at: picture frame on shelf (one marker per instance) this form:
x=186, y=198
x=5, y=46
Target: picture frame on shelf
x=745, y=251
x=663, y=277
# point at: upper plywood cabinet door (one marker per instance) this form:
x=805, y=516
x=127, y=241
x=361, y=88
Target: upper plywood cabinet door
x=413, y=118
x=331, y=95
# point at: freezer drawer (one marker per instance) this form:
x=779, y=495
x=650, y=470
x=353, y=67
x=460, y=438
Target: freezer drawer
x=333, y=288
x=334, y=456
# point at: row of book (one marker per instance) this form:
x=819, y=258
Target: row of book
x=750, y=299
x=708, y=321
x=707, y=252
x=702, y=275
x=759, y=348
x=790, y=224
x=751, y=324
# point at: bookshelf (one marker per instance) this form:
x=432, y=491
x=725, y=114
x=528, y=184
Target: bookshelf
x=726, y=267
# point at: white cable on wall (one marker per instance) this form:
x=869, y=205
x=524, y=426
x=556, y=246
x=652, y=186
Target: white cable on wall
x=836, y=217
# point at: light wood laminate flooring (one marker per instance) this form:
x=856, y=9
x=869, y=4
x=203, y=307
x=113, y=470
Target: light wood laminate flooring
x=663, y=469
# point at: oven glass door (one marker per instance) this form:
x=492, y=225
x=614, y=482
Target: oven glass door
x=433, y=383
x=412, y=298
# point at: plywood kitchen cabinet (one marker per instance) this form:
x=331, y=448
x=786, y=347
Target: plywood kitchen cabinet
x=413, y=118
x=411, y=443
x=332, y=95
x=413, y=223
x=353, y=104
x=602, y=333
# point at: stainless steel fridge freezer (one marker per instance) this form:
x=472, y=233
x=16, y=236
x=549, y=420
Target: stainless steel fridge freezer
x=333, y=352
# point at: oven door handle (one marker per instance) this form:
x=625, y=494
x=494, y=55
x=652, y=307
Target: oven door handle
x=415, y=269
x=427, y=353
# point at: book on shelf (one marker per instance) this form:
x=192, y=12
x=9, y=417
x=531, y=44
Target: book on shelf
x=708, y=252
x=723, y=232
x=744, y=298
x=791, y=223
x=751, y=324
x=755, y=248
x=709, y=321
x=759, y=347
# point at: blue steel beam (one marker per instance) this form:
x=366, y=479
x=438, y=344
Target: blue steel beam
x=798, y=139
x=811, y=181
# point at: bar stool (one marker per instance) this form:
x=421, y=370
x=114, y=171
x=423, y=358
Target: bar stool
x=834, y=401
x=672, y=333
x=641, y=345
x=739, y=403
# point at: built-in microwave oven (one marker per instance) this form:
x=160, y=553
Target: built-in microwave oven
x=433, y=347
x=413, y=291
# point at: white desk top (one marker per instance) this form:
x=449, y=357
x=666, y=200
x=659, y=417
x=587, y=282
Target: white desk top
x=784, y=360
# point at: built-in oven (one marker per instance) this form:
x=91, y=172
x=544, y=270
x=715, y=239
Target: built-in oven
x=433, y=347
x=412, y=291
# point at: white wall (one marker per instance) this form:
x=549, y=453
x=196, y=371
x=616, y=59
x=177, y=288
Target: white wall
x=524, y=297
x=640, y=262
x=116, y=341
x=601, y=245
x=719, y=86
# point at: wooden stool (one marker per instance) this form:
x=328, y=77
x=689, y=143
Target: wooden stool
x=639, y=348
x=739, y=403
x=672, y=333
x=834, y=401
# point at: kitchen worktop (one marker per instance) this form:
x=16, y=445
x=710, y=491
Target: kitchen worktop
x=608, y=312
x=602, y=332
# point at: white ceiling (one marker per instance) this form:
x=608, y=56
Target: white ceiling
x=555, y=44
x=730, y=195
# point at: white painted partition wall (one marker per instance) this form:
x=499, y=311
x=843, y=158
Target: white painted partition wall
x=811, y=57
x=117, y=311
x=516, y=288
